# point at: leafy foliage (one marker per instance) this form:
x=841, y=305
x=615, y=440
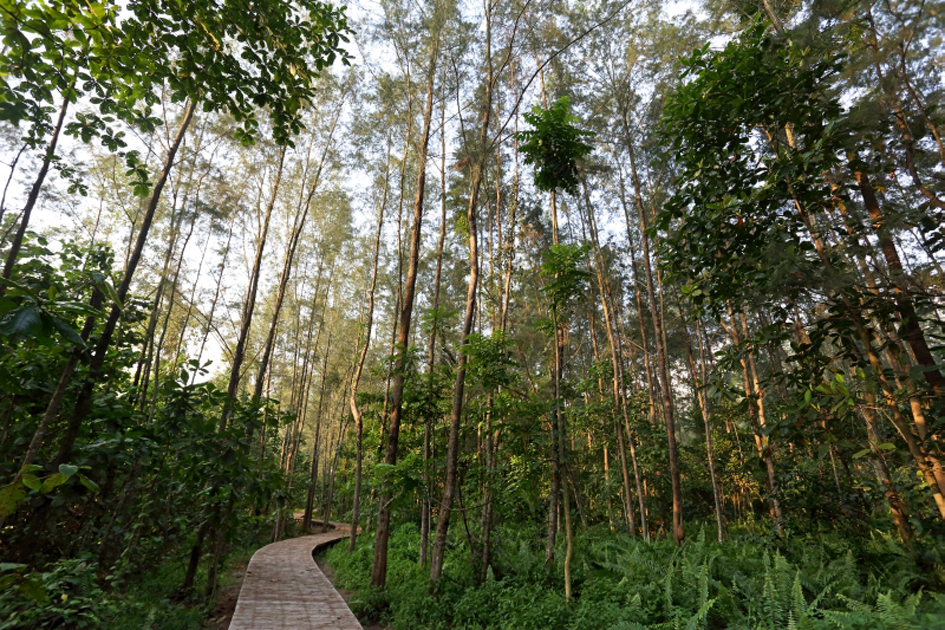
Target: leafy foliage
x=737, y=216
x=566, y=282
x=626, y=584
x=554, y=146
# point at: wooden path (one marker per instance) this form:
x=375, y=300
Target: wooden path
x=285, y=589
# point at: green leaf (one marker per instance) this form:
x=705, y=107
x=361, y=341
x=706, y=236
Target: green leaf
x=22, y=323
x=862, y=453
x=110, y=293
x=554, y=146
x=88, y=483
x=11, y=566
x=32, y=482
x=67, y=331
x=10, y=497
x=33, y=588
x=68, y=470
x=53, y=481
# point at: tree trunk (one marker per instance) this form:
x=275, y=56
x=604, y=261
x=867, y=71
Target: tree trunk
x=698, y=385
x=379, y=569
x=620, y=399
x=297, y=227
x=911, y=330
x=359, y=368
x=249, y=305
x=310, y=498
x=452, y=453
x=33, y=196
x=663, y=369
x=84, y=401
x=426, y=508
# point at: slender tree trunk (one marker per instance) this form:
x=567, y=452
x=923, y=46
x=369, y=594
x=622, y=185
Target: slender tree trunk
x=426, y=514
x=296, y=233
x=159, y=348
x=249, y=305
x=452, y=454
x=620, y=401
x=911, y=330
x=32, y=450
x=326, y=512
x=698, y=385
x=896, y=505
x=84, y=401
x=310, y=500
x=359, y=367
x=756, y=416
x=216, y=297
x=379, y=569
x=33, y=196
x=220, y=515
x=637, y=294
x=663, y=369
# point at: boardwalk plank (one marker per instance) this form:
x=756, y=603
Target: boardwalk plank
x=284, y=589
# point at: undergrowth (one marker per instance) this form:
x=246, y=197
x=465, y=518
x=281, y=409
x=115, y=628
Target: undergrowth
x=750, y=582
x=76, y=594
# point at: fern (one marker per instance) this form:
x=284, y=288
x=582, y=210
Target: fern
x=856, y=606
x=703, y=586
x=798, y=613
x=668, y=585
x=898, y=616
x=700, y=618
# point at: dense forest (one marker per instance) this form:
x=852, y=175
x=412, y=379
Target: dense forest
x=616, y=315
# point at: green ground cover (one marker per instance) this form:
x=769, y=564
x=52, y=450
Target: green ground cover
x=752, y=581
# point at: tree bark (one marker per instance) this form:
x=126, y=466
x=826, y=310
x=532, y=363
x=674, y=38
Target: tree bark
x=426, y=507
x=379, y=569
x=452, y=454
x=911, y=330
x=249, y=305
x=33, y=196
x=663, y=369
x=84, y=401
x=359, y=368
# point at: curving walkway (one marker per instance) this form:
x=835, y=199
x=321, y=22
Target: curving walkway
x=285, y=589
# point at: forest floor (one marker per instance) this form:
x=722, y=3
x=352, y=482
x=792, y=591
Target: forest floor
x=348, y=595
x=226, y=603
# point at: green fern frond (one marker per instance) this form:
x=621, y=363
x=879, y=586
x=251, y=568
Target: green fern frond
x=899, y=616
x=668, y=584
x=699, y=620
x=798, y=604
x=856, y=606
x=815, y=604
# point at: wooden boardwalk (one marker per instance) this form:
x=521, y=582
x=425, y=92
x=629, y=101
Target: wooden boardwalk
x=285, y=589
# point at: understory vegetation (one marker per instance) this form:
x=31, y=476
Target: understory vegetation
x=77, y=593
x=754, y=580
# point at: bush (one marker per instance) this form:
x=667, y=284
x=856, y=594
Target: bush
x=65, y=595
